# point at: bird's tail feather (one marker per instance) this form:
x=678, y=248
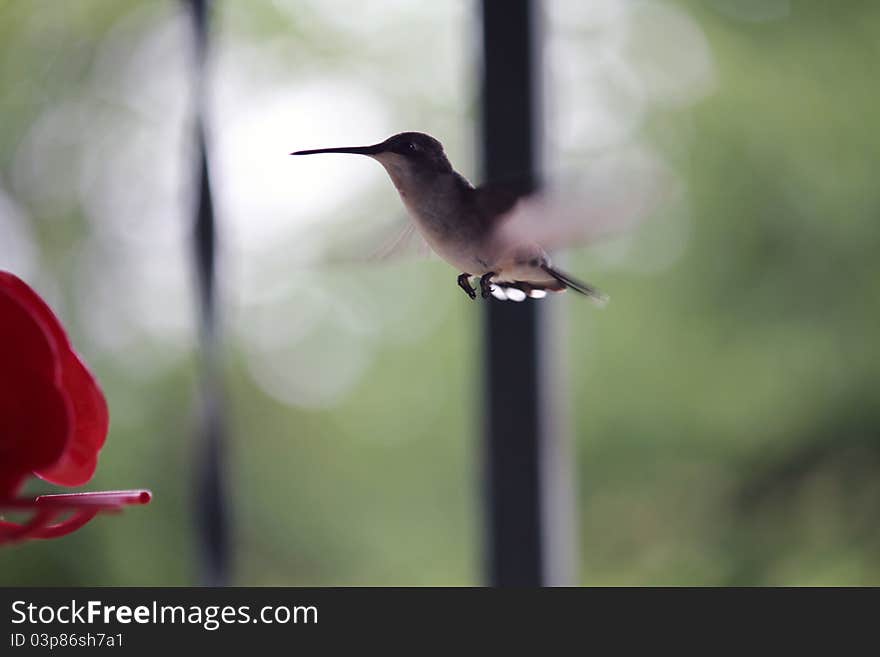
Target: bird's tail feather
x=586, y=289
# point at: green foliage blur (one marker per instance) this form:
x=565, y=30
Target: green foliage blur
x=725, y=406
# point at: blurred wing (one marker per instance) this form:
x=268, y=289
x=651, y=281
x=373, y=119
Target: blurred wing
x=498, y=199
x=406, y=242
x=395, y=240
x=611, y=198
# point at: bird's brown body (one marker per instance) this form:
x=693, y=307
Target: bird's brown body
x=461, y=223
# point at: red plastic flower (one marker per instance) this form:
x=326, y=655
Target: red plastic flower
x=53, y=416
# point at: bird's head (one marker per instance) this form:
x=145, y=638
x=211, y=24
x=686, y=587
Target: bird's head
x=406, y=156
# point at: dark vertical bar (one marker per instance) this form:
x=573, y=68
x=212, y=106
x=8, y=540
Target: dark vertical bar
x=210, y=495
x=513, y=428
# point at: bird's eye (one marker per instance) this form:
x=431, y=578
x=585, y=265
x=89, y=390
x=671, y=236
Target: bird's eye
x=413, y=147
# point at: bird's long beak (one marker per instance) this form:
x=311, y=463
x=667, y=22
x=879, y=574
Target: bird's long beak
x=356, y=150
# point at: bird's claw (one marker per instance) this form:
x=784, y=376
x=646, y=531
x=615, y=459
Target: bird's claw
x=464, y=284
x=486, y=284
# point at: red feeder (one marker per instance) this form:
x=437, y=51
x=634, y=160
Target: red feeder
x=53, y=420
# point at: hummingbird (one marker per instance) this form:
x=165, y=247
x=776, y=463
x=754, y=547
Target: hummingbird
x=471, y=228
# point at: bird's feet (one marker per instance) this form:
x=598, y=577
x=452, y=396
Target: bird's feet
x=465, y=284
x=486, y=284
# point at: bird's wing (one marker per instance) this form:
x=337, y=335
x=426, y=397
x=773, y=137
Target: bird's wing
x=496, y=199
x=609, y=199
x=406, y=241
x=394, y=240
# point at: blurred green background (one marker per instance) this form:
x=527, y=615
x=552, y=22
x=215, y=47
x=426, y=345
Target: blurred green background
x=724, y=406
